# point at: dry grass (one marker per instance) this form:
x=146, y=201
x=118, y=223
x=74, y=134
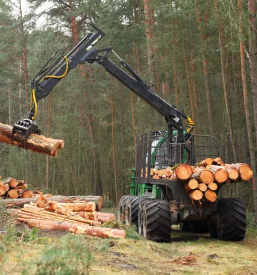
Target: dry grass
x=186, y=254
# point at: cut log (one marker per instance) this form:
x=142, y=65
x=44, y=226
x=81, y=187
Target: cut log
x=219, y=172
x=74, y=228
x=20, y=202
x=13, y=194
x=244, y=170
x=197, y=172
x=57, y=217
x=11, y=182
x=205, y=162
x=6, y=186
x=233, y=174
x=104, y=217
x=184, y=171
x=210, y=196
x=27, y=194
x=42, y=212
x=80, y=206
x=2, y=190
x=203, y=187
x=100, y=232
x=173, y=176
x=196, y=195
x=168, y=172
x=160, y=173
x=48, y=224
x=21, y=187
x=206, y=177
x=213, y=186
x=20, y=183
x=155, y=171
x=155, y=176
x=88, y=215
x=1, y=183
x=36, y=143
x=216, y=161
x=151, y=172
x=191, y=185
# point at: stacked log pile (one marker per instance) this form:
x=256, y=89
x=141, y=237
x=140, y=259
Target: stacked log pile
x=78, y=217
x=203, y=180
x=13, y=189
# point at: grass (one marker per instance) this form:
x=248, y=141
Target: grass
x=26, y=251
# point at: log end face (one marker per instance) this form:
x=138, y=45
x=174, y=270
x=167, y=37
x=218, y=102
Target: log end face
x=184, y=171
x=221, y=175
x=246, y=172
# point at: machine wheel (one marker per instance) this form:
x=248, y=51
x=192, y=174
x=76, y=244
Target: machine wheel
x=122, y=208
x=140, y=216
x=230, y=220
x=184, y=226
x=131, y=215
x=156, y=220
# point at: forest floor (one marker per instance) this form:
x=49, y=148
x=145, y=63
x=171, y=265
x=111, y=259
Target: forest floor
x=33, y=252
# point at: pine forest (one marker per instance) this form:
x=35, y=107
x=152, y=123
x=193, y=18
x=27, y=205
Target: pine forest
x=199, y=55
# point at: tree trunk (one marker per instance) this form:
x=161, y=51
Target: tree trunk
x=98, y=185
x=113, y=150
x=149, y=24
x=224, y=75
x=253, y=58
x=24, y=56
x=175, y=64
x=246, y=105
x=203, y=37
x=187, y=73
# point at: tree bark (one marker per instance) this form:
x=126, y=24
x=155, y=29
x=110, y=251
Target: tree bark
x=246, y=105
x=149, y=23
x=113, y=150
x=187, y=73
x=34, y=142
x=224, y=75
x=253, y=58
x=203, y=37
x=20, y=202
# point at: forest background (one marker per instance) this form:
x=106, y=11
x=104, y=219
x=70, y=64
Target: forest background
x=200, y=55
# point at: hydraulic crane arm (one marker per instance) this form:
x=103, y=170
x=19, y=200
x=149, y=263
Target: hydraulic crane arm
x=44, y=82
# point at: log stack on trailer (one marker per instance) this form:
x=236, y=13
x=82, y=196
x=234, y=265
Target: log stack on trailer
x=203, y=181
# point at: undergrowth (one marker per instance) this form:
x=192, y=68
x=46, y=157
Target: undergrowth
x=69, y=256
x=251, y=220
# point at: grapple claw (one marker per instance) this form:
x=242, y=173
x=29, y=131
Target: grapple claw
x=25, y=127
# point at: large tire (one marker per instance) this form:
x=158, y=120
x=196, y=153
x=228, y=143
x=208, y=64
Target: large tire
x=131, y=213
x=229, y=220
x=122, y=208
x=156, y=220
x=140, y=216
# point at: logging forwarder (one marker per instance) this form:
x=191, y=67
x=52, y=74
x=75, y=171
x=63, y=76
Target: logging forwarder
x=153, y=205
